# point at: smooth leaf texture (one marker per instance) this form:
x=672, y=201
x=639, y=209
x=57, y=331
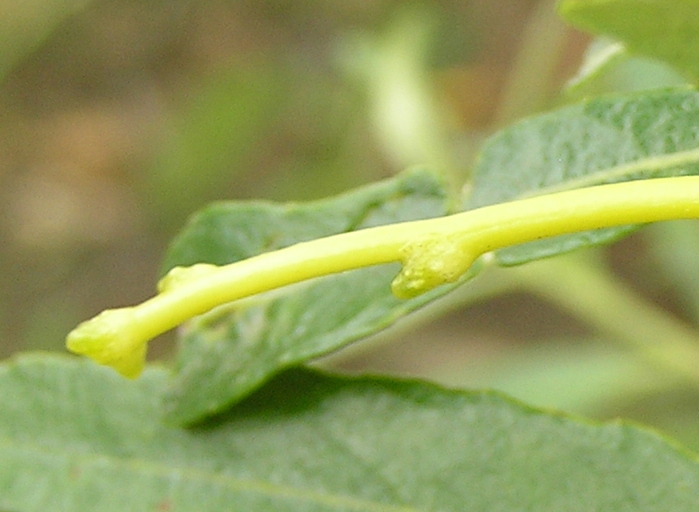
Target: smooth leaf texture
x=74, y=436
x=229, y=352
x=664, y=29
x=605, y=140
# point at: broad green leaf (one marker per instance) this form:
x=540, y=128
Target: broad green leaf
x=605, y=140
x=664, y=29
x=75, y=437
x=229, y=352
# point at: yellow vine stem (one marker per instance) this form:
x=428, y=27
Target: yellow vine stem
x=432, y=252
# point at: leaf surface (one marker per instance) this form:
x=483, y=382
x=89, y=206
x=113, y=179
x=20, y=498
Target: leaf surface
x=664, y=29
x=229, y=352
x=605, y=140
x=74, y=436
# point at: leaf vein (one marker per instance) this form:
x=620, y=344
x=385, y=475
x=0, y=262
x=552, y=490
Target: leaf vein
x=167, y=470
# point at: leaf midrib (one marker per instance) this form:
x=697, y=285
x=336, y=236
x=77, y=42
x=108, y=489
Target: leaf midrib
x=648, y=164
x=166, y=469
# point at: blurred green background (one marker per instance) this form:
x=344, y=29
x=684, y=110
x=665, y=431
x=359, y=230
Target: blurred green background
x=118, y=119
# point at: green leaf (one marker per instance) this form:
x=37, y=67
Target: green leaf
x=664, y=29
x=605, y=140
x=231, y=351
x=76, y=437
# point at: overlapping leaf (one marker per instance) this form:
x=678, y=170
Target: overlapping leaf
x=664, y=29
x=600, y=56
x=226, y=354
x=604, y=140
x=608, y=67
x=229, y=352
x=76, y=437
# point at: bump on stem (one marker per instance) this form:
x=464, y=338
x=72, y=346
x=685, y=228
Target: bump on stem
x=428, y=262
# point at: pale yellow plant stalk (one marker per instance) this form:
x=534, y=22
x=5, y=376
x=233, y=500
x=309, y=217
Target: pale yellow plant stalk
x=433, y=252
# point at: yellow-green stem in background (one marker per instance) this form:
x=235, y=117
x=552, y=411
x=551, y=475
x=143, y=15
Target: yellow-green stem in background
x=597, y=297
